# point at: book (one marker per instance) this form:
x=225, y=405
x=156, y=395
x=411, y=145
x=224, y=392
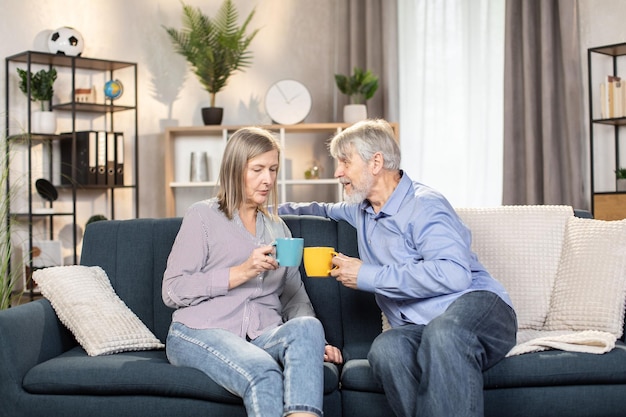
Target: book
x=119, y=158
x=611, y=93
x=93, y=155
x=101, y=159
x=85, y=171
x=110, y=158
x=618, y=89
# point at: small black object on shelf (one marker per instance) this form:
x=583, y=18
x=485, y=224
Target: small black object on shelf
x=46, y=190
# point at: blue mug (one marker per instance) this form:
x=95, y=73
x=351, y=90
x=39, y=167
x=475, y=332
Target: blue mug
x=289, y=251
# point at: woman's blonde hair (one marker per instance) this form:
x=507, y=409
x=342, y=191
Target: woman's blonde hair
x=245, y=144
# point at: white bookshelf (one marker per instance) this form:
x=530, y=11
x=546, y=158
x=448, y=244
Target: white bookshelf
x=301, y=144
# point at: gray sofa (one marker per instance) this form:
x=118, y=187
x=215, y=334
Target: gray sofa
x=44, y=372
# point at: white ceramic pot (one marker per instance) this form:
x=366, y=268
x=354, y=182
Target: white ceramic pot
x=621, y=184
x=44, y=122
x=353, y=113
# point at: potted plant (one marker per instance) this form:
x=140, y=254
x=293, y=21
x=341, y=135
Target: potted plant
x=41, y=90
x=620, y=175
x=215, y=48
x=359, y=87
x=10, y=275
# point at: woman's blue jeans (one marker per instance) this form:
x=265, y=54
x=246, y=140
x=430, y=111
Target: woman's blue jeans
x=279, y=372
x=436, y=370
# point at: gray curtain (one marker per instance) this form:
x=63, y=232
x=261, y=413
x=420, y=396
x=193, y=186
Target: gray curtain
x=367, y=38
x=544, y=139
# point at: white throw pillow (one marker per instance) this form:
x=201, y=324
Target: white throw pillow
x=590, y=286
x=520, y=246
x=87, y=305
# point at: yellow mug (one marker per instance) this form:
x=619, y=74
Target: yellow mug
x=318, y=260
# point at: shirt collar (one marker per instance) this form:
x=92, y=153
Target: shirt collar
x=392, y=205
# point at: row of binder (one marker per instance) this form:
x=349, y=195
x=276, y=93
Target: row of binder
x=99, y=158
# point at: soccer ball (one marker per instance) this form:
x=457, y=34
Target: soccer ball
x=66, y=41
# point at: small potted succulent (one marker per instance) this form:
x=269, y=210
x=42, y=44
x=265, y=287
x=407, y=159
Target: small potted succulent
x=41, y=90
x=620, y=175
x=215, y=48
x=359, y=87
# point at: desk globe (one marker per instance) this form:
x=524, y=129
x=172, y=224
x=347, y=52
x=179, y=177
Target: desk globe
x=113, y=89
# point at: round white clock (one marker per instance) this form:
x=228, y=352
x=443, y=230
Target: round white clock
x=288, y=102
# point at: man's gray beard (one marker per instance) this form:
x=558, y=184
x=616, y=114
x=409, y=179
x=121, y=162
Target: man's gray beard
x=355, y=197
x=359, y=195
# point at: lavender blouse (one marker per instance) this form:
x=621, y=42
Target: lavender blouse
x=195, y=281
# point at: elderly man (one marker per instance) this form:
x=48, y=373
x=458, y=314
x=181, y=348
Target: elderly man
x=450, y=319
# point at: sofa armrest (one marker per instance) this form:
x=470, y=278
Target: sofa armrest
x=29, y=334
x=583, y=214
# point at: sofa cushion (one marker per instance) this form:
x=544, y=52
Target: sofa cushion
x=129, y=373
x=540, y=369
x=590, y=285
x=132, y=373
x=520, y=246
x=357, y=375
x=324, y=293
x=87, y=305
x=117, y=246
x=556, y=367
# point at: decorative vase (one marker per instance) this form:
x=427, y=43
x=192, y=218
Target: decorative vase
x=621, y=184
x=44, y=122
x=353, y=113
x=212, y=115
x=199, y=171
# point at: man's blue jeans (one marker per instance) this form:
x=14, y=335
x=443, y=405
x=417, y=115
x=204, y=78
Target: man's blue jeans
x=277, y=373
x=436, y=370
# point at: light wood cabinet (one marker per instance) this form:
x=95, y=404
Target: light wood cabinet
x=303, y=146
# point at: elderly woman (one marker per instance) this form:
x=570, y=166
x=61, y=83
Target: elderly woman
x=241, y=318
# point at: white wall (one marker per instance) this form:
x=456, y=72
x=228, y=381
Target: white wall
x=296, y=41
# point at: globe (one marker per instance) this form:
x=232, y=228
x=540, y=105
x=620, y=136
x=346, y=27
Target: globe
x=113, y=89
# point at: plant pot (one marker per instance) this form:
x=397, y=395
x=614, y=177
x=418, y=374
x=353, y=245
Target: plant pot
x=212, y=115
x=621, y=184
x=44, y=122
x=353, y=113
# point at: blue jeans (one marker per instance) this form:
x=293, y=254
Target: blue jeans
x=278, y=373
x=436, y=370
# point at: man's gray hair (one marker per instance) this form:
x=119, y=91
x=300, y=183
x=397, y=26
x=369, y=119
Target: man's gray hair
x=366, y=138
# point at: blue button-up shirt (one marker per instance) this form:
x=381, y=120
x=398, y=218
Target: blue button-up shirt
x=416, y=252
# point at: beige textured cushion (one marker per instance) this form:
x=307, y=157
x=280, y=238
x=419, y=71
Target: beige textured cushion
x=87, y=305
x=520, y=246
x=590, y=287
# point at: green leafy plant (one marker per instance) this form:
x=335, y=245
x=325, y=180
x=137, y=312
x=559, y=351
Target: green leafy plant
x=359, y=87
x=10, y=275
x=41, y=84
x=95, y=218
x=215, y=48
x=620, y=173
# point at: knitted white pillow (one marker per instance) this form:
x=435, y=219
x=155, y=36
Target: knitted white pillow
x=590, y=287
x=520, y=246
x=87, y=305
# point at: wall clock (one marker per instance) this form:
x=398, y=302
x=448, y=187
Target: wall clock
x=288, y=102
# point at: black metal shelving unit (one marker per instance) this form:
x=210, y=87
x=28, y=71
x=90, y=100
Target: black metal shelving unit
x=31, y=61
x=608, y=205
